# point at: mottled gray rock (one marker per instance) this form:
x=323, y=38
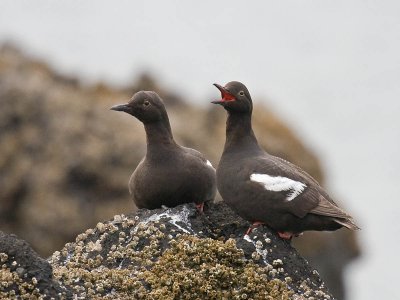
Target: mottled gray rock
x=173, y=253
x=24, y=273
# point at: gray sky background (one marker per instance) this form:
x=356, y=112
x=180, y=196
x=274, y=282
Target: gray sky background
x=330, y=68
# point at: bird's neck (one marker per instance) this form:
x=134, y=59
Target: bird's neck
x=239, y=134
x=159, y=137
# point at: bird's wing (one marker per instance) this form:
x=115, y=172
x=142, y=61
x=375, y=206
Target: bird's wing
x=287, y=193
x=194, y=153
x=300, y=194
x=326, y=208
x=297, y=168
x=131, y=179
x=199, y=155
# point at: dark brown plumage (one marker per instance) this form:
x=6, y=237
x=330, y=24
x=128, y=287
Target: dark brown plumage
x=265, y=189
x=169, y=174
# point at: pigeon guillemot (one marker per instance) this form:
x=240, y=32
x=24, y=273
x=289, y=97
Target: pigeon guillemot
x=169, y=174
x=265, y=189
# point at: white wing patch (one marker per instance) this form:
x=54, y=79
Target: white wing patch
x=209, y=164
x=279, y=184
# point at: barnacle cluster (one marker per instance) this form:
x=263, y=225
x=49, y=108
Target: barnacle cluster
x=195, y=268
x=17, y=283
x=10, y=281
x=130, y=258
x=154, y=255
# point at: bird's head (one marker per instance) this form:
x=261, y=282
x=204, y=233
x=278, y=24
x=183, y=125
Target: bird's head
x=146, y=106
x=235, y=97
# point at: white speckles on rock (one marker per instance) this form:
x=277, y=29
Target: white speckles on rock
x=89, y=231
x=248, y=238
x=3, y=257
x=255, y=256
x=112, y=228
x=101, y=227
x=81, y=237
x=277, y=262
x=288, y=279
x=273, y=273
x=118, y=219
x=175, y=218
x=260, y=252
x=91, y=247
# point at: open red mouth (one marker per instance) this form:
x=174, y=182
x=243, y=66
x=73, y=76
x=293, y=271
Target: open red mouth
x=225, y=94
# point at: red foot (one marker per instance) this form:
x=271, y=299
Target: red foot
x=285, y=235
x=254, y=225
x=200, y=207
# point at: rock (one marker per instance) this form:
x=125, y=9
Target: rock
x=24, y=273
x=173, y=253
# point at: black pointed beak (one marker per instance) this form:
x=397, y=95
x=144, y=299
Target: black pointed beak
x=220, y=87
x=222, y=90
x=217, y=102
x=120, y=107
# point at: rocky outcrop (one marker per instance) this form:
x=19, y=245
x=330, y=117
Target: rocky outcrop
x=23, y=273
x=66, y=159
x=173, y=253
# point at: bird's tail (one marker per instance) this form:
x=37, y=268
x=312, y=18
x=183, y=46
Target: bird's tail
x=348, y=223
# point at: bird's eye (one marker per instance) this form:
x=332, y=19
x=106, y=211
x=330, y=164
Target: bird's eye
x=146, y=103
x=241, y=93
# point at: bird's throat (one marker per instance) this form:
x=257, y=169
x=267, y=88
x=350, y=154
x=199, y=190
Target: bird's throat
x=239, y=133
x=159, y=136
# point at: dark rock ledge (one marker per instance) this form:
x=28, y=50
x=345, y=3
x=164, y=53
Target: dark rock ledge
x=173, y=253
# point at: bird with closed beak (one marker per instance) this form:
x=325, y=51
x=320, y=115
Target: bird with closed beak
x=169, y=174
x=265, y=189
